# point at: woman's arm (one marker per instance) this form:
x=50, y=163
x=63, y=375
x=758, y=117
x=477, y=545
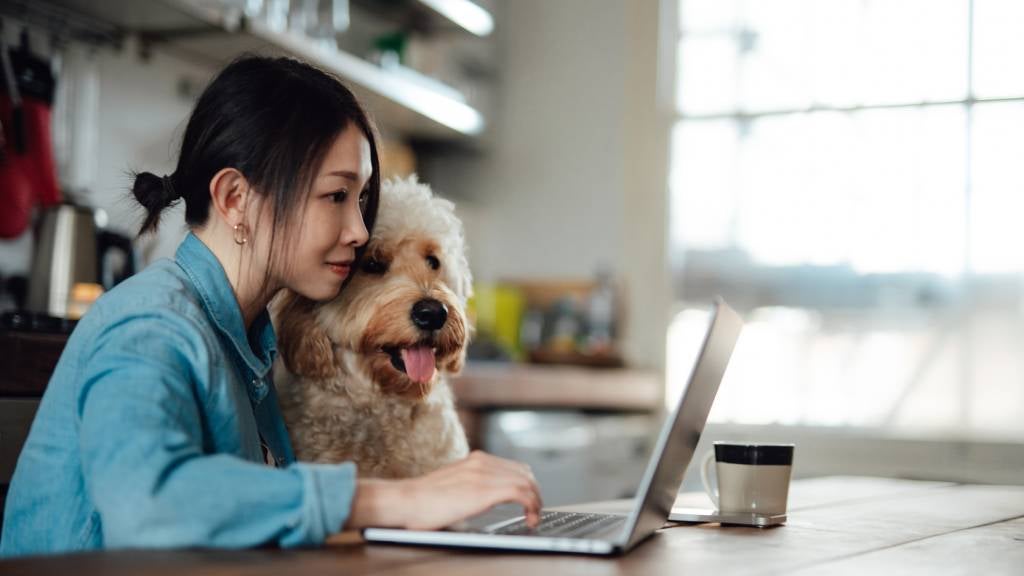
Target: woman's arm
x=146, y=453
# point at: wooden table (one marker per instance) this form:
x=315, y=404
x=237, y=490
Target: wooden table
x=839, y=525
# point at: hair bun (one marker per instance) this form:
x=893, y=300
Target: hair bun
x=155, y=194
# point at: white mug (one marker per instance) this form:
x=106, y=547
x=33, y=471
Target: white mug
x=752, y=478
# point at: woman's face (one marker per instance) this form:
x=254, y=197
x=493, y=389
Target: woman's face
x=330, y=228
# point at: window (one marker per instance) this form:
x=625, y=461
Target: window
x=848, y=173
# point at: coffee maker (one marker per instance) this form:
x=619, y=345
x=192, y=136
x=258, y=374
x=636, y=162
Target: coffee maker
x=72, y=250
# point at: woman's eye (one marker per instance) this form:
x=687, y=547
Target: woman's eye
x=364, y=199
x=433, y=262
x=339, y=196
x=374, y=266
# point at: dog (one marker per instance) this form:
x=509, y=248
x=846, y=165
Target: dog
x=364, y=377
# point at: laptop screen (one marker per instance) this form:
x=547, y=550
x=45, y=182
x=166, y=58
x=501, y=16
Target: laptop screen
x=682, y=429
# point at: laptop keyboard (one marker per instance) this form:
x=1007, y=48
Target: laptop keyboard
x=563, y=524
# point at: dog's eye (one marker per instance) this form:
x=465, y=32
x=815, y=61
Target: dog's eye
x=433, y=262
x=374, y=266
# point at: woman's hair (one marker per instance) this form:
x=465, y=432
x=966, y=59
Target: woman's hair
x=273, y=120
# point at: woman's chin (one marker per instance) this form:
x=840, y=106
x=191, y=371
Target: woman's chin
x=319, y=293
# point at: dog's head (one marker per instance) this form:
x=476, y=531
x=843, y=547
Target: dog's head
x=403, y=311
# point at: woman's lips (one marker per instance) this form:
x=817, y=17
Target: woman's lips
x=340, y=268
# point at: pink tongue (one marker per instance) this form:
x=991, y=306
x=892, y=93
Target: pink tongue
x=419, y=363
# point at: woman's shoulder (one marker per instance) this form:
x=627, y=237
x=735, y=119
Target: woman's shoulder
x=162, y=282
x=162, y=292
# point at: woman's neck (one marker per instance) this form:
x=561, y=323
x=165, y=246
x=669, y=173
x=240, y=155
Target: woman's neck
x=244, y=275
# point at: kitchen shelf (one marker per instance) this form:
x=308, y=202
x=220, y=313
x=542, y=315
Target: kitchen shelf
x=465, y=13
x=484, y=385
x=399, y=101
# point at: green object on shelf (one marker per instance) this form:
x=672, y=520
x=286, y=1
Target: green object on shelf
x=393, y=43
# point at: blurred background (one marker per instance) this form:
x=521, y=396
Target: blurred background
x=844, y=172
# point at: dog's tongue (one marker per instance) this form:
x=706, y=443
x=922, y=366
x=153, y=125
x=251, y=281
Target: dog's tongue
x=419, y=363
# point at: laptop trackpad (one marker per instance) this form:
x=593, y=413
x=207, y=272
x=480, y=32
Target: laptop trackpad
x=496, y=515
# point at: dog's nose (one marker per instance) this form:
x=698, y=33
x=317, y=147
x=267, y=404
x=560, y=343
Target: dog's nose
x=429, y=314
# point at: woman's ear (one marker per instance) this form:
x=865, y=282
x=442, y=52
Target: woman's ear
x=303, y=344
x=229, y=195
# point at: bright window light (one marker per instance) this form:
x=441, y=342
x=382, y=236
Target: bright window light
x=847, y=172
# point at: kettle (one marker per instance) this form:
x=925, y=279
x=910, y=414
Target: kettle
x=70, y=250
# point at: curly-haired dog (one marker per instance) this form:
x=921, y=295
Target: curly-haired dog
x=363, y=376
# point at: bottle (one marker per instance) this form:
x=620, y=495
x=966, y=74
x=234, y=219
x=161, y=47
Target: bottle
x=601, y=316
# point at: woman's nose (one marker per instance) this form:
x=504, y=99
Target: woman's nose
x=354, y=233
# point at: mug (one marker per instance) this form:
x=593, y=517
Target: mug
x=752, y=478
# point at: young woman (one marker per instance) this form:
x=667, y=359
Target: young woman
x=160, y=426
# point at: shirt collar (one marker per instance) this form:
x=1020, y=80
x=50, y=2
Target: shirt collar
x=220, y=304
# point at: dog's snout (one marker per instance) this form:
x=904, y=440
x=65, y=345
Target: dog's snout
x=429, y=314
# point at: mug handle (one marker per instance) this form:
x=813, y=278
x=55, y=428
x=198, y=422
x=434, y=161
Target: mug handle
x=705, y=469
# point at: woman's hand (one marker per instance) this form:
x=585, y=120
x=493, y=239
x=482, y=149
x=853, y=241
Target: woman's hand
x=446, y=496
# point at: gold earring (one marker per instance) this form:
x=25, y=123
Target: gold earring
x=241, y=235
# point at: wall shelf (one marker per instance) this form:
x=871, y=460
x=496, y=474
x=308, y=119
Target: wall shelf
x=484, y=385
x=399, y=101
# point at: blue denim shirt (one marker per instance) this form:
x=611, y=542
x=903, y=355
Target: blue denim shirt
x=149, y=432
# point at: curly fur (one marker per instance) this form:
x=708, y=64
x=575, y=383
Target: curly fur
x=342, y=397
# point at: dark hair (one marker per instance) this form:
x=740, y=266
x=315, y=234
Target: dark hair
x=272, y=119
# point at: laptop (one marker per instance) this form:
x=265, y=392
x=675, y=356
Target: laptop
x=609, y=534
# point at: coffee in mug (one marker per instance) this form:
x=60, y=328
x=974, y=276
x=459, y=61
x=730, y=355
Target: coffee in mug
x=752, y=478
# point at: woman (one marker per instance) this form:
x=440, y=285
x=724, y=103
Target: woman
x=160, y=426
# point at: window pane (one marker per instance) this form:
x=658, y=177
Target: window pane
x=790, y=54
x=998, y=44
x=910, y=190
x=774, y=44
x=914, y=50
x=707, y=15
x=773, y=213
x=997, y=187
x=879, y=190
x=834, y=58
x=707, y=74
x=701, y=180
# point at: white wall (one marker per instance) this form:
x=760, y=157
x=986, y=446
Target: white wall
x=573, y=178
x=144, y=107
x=550, y=184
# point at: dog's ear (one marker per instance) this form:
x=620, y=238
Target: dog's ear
x=455, y=365
x=303, y=344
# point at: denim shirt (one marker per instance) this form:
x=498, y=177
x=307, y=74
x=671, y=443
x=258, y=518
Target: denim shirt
x=149, y=432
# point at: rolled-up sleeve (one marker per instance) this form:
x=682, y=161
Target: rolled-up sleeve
x=147, y=466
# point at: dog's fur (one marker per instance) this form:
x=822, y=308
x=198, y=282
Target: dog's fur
x=342, y=397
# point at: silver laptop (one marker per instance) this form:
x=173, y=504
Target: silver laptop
x=606, y=534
